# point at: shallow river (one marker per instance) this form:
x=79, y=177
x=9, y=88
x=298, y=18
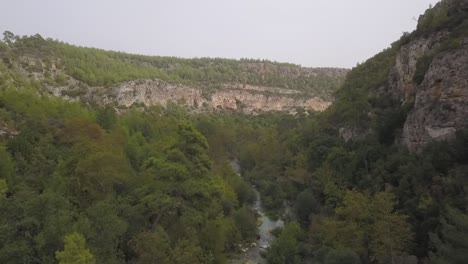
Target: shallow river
x=252, y=254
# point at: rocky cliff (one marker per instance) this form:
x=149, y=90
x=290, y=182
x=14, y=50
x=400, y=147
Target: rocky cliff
x=440, y=101
x=241, y=97
x=230, y=96
x=431, y=75
x=244, y=98
x=202, y=84
x=416, y=91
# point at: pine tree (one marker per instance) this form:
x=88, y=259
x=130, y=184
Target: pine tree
x=75, y=251
x=451, y=244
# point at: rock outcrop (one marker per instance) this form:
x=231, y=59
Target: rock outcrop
x=245, y=98
x=441, y=101
x=401, y=84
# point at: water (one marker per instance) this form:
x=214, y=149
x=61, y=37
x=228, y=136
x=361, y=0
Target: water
x=252, y=254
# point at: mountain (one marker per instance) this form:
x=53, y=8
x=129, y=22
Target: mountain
x=203, y=84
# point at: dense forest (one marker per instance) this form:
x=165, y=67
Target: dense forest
x=81, y=183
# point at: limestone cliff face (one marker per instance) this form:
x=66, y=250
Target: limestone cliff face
x=245, y=98
x=439, y=95
x=401, y=84
x=441, y=101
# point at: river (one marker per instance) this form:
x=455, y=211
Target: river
x=266, y=225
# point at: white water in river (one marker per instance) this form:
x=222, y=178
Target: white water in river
x=252, y=255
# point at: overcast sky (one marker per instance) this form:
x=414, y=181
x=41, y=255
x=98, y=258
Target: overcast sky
x=338, y=33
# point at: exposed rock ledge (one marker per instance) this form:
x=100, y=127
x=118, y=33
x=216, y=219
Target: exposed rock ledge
x=244, y=98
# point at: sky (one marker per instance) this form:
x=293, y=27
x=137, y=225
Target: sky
x=313, y=33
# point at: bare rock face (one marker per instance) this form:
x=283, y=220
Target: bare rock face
x=245, y=98
x=353, y=133
x=401, y=84
x=441, y=101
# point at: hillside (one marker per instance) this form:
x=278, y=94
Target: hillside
x=203, y=84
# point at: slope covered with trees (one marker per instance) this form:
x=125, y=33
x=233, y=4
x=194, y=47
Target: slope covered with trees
x=83, y=185
x=95, y=67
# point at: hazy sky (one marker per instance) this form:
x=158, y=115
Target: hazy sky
x=337, y=33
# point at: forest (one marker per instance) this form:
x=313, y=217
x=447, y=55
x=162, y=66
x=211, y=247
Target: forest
x=81, y=183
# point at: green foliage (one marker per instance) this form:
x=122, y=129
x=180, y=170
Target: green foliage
x=247, y=222
x=75, y=251
x=360, y=85
x=97, y=67
x=451, y=245
x=3, y=186
x=7, y=168
x=363, y=218
x=306, y=205
x=391, y=234
x=434, y=18
x=341, y=256
x=106, y=117
x=118, y=181
x=152, y=247
x=327, y=255
x=285, y=249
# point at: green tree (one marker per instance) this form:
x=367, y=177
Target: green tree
x=342, y=256
x=285, y=249
x=363, y=220
x=390, y=234
x=247, y=222
x=106, y=117
x=152, y=247
x=187, y=252
x=306, y=204
x=9, y=38
x=3, y=187
x=104, y=228
x=451, y=242
x=7, y=167
x=75, y=251
x=342, y=234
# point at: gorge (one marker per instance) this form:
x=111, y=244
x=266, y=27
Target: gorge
x=108, y=157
